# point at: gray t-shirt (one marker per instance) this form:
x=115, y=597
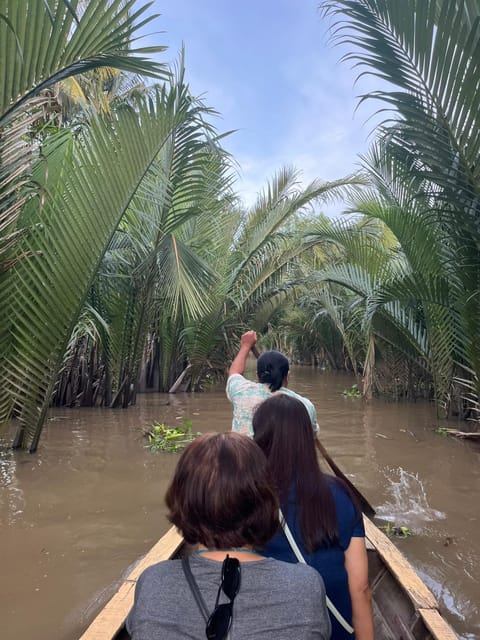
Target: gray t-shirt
x=277, y=601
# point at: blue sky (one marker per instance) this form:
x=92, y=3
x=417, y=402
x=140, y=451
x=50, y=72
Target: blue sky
x=271, y=71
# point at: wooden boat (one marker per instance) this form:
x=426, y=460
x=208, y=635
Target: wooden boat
x=404, y=608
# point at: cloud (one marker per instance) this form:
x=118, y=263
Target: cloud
x=270, y=71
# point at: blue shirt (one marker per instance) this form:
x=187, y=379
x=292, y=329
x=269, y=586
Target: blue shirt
x=329, y=561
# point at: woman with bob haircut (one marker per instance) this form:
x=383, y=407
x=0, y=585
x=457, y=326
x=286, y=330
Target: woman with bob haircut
x=321, y=515
x=223, y=501
x=272, y=376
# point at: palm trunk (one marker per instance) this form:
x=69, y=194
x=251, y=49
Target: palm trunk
x=368, y=369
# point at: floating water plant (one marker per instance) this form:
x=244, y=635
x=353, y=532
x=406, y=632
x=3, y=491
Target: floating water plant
x=441, y=431
x=161, y=437
x=467, y=435
x=352, y=392
x=393, y=530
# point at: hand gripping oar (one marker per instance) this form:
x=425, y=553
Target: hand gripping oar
x=364, y=503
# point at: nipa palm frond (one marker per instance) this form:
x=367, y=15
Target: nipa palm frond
x=72, y=231
x=43, y=42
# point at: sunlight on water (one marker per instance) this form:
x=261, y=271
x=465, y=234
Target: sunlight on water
x=408, y=500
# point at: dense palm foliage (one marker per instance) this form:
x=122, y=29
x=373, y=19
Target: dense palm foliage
x=117, y=220
x=426, y=173
x=127, y=262
x=155, y=272
x=57, y=213
x=244, y=263
x=268, y=258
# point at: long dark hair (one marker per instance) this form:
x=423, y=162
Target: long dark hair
x=283, y=430
x=272, y=369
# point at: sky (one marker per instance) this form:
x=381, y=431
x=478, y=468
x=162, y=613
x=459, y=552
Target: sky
x=271, y=71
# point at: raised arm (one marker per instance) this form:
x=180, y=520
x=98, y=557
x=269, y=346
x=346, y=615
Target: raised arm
x=356, y=564
x=246, y=343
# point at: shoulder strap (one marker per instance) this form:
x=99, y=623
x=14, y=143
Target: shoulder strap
x=192, y=583
x=291, y=540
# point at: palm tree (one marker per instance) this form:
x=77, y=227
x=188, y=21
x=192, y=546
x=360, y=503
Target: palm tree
x=255, y=255
x=428, y=50
x=42, y=43
x=59, y=210
x=370, y=262
x=268, y=243
x=161, y=276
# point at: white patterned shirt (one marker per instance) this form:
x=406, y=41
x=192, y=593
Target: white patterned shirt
x=246, y=395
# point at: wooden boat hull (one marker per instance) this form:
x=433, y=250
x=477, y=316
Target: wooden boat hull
x=404, y=608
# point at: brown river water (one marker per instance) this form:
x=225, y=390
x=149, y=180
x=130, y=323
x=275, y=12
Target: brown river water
x=75, y=515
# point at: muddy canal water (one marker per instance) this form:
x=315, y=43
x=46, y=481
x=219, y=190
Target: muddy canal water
x=75, y=515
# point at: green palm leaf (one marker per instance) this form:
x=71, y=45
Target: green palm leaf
x=430, y=50
x=263, y=250
x=161, y=271
x=44, y=42
x=68, y=234
x=428, y=160
x=41, y=43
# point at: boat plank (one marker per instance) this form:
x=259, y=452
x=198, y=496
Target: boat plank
x=164, y=549
x=437, y=625
x=116, y=610
x=401, y=569
x=113, y=615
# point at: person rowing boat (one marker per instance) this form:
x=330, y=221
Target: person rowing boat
x=272, y=377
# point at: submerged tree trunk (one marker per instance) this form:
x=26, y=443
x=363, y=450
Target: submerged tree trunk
x=179, y=380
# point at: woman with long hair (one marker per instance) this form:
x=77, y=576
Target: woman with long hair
x=223, y=501
x=319, y=512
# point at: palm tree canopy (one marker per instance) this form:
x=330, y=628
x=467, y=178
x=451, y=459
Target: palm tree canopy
x=43, y=42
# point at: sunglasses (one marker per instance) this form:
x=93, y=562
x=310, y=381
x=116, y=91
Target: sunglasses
x=220, y=621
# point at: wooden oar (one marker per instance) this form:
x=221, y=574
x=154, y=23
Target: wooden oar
x=366, y=507
x=364, y=503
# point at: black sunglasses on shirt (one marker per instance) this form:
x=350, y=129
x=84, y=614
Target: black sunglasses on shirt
x=220, y=621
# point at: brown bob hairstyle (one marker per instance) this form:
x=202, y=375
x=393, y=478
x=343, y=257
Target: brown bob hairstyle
x=221, y=494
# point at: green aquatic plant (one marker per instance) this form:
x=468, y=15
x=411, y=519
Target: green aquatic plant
x=352, y=392
x=161, y=437
x=441, y=431
x=391, y=529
